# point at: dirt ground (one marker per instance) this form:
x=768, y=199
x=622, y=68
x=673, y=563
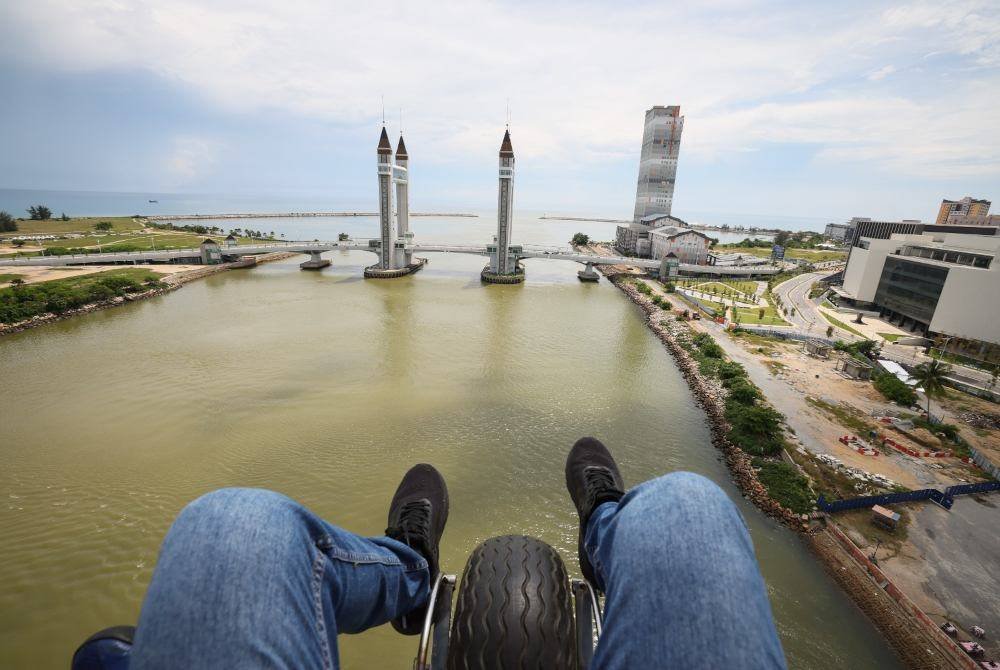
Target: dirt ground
x=35, y=274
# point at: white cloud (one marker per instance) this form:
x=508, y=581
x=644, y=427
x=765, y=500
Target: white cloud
x=578, y=75
x=881, y=73
x=190, y=157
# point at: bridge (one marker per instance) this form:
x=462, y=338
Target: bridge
x=395, y=247
x=216, y=253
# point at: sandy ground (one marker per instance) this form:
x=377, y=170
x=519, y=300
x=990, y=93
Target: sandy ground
x=35, y=274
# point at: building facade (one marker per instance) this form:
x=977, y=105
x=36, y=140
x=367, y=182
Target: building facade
x=654, y=194
x=967, y=206
x=837, y=231
x=688, y=246
x=974, y=220
x=941, y=285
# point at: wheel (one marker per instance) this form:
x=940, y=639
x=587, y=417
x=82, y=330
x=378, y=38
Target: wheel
x=514, y=609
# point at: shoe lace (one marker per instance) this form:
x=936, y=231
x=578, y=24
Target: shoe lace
x=414, y=525
x=600, y=484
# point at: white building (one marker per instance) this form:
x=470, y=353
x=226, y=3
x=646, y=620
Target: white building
x=943, y=285
x=689, y=246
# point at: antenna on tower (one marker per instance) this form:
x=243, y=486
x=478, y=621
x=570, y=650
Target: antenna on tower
x=508, y=113
x=400, y=121
x=383, y=109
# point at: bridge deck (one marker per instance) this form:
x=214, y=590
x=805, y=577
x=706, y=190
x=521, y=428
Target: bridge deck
x=550, y=253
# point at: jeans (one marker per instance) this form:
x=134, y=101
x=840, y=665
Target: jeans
x=249, y=578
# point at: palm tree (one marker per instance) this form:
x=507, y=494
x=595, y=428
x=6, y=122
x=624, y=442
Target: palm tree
x=930, y=376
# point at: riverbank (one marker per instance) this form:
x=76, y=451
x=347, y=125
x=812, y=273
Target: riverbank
x=167, y=283
x=909, y=631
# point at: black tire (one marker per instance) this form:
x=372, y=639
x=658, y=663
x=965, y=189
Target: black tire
x=514, y=609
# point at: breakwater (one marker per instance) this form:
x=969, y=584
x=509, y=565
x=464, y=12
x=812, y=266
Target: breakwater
x=291, y=215
x=711, y=396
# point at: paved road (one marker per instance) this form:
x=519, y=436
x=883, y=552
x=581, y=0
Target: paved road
x=794, y=293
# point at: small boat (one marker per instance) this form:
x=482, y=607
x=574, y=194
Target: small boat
x=154, y=201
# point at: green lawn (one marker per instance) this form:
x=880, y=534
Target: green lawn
x=748, y=287
x=6, y=278
x=751, y=315
x=841, y=324
x=890, y=337
x=813, y=255
x=74, y=225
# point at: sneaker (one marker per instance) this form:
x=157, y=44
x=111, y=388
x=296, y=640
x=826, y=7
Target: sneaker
x=417, y=516
x=592, y=478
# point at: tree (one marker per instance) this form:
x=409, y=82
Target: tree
x=7, y=223
x=64, y=217
x=580, y=239
x=39, y=213
x=931, y=377
x=782, y=238
x=343, y=237
x=829, y=331
x=18, y=243
x=16, y=282
x=103, y=225
x=760, y=313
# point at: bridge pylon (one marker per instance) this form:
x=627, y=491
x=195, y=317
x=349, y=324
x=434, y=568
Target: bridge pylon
x=394, y=261
x=504, y=266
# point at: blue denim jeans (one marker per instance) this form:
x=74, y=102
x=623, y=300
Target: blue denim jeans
x=249, y=578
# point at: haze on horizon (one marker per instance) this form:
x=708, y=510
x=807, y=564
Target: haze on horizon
x=869, y=109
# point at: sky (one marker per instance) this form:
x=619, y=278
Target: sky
x=795, y=108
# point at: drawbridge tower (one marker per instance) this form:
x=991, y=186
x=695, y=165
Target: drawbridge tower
x=395, y=243
x=504, y=267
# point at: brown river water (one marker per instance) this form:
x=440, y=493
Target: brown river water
x=326, y=387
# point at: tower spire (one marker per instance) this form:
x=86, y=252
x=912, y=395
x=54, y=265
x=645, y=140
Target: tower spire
x=384, y=147
x=506, y=148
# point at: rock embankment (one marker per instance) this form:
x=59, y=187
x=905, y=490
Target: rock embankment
x=711, y=396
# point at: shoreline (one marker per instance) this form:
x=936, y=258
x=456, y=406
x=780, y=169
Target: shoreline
x=173, y=282
x=907, y=630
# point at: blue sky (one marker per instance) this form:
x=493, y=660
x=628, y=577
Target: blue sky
x=791, y=108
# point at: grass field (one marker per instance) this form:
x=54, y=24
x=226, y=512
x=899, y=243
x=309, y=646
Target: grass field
x=890, y=337
x=841, y=324
x=748, y=287
x=5, y=278
x=74, y=225
x=814, y=255
x=752, y=316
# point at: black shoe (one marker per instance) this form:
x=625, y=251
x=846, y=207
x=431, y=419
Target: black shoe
x=592, y=479
x=417, y=516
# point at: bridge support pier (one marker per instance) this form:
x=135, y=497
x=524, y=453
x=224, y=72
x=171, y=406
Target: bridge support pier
x=588, y=273
x=376, y=272
x=315, y=262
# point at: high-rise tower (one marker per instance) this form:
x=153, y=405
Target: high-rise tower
x=661, y=144
x=387, y=251
x=501, y=261
x=401, y=176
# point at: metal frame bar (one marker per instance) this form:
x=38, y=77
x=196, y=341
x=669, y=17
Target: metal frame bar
x=436, y=621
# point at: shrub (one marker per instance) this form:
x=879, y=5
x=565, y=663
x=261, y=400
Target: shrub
x=742, y=391
x=756, y=429
x=731, y=370
x=785, y=484
x=893, y=389
x=580, y=239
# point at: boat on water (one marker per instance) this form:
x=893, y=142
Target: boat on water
x=154, y=201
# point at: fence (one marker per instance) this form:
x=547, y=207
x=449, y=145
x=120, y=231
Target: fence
x=944, y=498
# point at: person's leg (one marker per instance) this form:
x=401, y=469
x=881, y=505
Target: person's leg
x=250, y=578
x=682, y=585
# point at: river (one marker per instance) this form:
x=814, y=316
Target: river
x=326, y=387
